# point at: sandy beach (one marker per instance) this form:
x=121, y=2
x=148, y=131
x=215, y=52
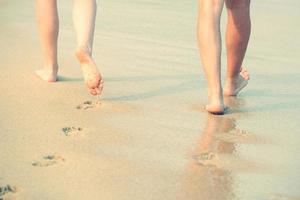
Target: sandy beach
x=149, y=138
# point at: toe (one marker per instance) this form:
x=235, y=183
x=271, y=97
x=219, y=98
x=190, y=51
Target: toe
x=244, y=73
x=93, y=91
x=98, y=91
x=246, y=76
x=100, y=87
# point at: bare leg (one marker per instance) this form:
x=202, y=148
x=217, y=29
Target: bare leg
x=48, y=24
x=209, y=37
x=237, y=37
x=84, y=16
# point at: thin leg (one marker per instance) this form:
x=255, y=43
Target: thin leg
x=48, y=25
x=84, y=16
x=237, y=37
x=209, y=37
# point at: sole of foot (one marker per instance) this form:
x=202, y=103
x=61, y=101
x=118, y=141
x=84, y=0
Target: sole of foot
x=46, y=75
x=233, y=88
x=92, y=76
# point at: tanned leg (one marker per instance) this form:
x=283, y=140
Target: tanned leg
x=48, y=25
x=209, y=38
x=84, y=16
x=237, y=37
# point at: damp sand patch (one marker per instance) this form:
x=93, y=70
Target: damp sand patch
x=240, y=136
x=226, y=162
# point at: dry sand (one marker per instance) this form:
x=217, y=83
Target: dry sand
x=149, y=138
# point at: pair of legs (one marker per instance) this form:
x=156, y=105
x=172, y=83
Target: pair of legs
x=237, y=37
x=84, y=15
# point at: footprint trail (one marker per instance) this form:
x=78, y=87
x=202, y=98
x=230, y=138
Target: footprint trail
x=6, y=190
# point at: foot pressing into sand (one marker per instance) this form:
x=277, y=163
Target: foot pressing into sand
x=92, y=77
x=234, y=86
x=216, y=104
x=49, y=75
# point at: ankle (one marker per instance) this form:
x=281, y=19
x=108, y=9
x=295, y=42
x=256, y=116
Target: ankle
x=84, y=49
x=215, y=91
x=51, y=67
x=83, y=54
x=215, y=94
x=232, y=79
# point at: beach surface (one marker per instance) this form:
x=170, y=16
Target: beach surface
x=149, y=137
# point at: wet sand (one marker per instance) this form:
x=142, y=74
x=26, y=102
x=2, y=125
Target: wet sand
x=149, y=138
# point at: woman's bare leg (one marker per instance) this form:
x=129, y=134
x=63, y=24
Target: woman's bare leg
x=209, y=37
x=237, y=37
x=48, y=25
x=84, y=16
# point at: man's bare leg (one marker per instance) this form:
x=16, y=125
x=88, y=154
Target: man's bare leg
x=237, y=37
x=84, y=16
x=48, y=24
x=209, y=37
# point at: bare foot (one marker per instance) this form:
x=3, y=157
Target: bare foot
x=215, y=109
x=233, y=87
x=216, y=104
x=92, y=77
x=47, y=75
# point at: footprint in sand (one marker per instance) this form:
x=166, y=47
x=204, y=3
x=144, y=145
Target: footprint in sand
x=107, y=106
x=7, y=191
x=239, y=135
x=88, y=104
x=68, y=131
x=205, y=159
x=48, y=161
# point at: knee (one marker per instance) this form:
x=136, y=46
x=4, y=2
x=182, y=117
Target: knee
x=237, y=4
